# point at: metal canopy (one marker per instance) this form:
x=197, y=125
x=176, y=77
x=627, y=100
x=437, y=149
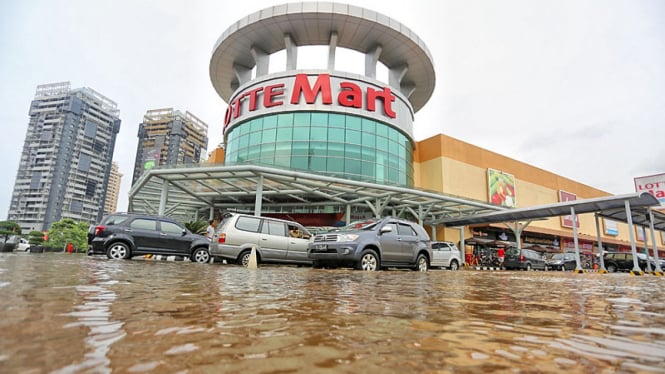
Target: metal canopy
x=609, y=205
x=192, y=191
x=640, y=217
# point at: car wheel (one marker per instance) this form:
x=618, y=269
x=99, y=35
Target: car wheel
x=454, y=265
x=421, y=263
x=611, y=268
x=200, y=255
x=117, y=251
x=243, y=259
x=369, y=261
x=528, y=267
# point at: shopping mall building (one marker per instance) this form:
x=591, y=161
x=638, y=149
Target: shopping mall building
x=325, y=146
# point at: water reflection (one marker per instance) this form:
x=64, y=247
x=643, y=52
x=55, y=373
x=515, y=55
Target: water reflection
x=78, y=314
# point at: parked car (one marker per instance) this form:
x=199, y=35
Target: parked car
x=125, y=235
x=373, y=245
x=445, y=255
x=22, y=246
x=8, y=244
x=622, y=261
x=561, y=261
x=523, y=259
x=275, y=240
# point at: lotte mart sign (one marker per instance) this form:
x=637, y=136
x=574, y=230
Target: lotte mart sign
x=653, y=184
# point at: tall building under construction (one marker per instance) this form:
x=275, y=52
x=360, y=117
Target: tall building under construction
x=113, y=189
x=169, y=137
x=66, y=158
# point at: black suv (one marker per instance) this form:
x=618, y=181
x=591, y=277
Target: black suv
x=372, y=245
x=622, y=261
x=124, y=235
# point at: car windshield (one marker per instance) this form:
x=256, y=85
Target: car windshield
x=557, y=256
x=359, y=225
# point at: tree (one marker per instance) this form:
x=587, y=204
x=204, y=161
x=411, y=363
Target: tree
x=36, y=237
x=8, y=228
x=197, y=227
x=68, y=231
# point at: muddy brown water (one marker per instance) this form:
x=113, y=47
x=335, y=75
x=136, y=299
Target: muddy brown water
x=67, y=313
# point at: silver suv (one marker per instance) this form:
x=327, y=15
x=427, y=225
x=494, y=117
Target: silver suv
x=445, y=255
x=373, y=245
x=276, y=240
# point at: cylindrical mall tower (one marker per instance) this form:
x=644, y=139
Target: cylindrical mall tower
x=322, y=121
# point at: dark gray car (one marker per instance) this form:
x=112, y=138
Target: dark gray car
x=523, y=259
x=373, y=245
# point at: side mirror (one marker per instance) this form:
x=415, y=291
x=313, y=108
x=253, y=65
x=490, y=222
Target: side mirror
x=184, y=232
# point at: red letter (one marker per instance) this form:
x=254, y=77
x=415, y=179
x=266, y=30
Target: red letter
x=227, y=115
x=252, y=98
x=350, y=95
x=322, y=85
x=386, y=96
x=269, y=94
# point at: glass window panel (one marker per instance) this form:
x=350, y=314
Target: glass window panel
x=353, y=123
x=284, y=133
x=301, y=119
x=318, y=133
x=336, y=120
x=255, y=138
x=317, y=163
x=300, y=148
x=353, y=137
x=253, y=153
x=285, y=119
x=368, y=126
x=283, y=161
x=301, y=133
x=335, y=135
x=381, y=130
x=336, y=149
x=256, y=124
x=267, y=150
x=336, y=165
x=393, y=135
x=243, y=141
x=368, y=139
x=299, y=162
x=381, y=143
x=392, y=147
x=353, y=167
x=319, y=118
x=318, y=149
x=269, y=135
x=270, y=122
x=352, y=152
x=367, y=168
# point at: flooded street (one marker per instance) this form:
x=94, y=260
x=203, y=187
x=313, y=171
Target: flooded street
x=76, y=314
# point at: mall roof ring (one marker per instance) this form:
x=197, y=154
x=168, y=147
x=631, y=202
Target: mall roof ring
x=250, y=41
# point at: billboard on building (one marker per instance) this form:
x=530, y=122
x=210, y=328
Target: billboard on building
x=611, y=227
x=567, y=221
x=653, y=184
x=501, y=188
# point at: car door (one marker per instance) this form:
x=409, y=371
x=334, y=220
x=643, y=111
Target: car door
x=274, y=240
x=298, y=241
x=171, y=238
x=390, y=243
x=440, y=255
x=408, y=239
x=144, y=234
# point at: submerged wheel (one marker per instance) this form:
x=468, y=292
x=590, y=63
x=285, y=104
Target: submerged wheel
x=118, y=251
x=528, y=267
x=243, y=259
x=421, y=263
x=200, y=255
x=611, y=268
x=369, y=261
x=454, y=265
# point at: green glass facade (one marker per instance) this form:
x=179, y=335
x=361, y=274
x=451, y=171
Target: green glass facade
x=333, y=144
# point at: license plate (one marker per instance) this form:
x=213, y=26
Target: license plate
x=319, y=247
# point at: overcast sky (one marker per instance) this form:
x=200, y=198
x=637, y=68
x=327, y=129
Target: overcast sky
x=574, y=87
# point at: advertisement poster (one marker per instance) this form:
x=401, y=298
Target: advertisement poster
x=567, y=221
x=653, y=184
x=611, y=227
x=501, y=188
x=640, y=233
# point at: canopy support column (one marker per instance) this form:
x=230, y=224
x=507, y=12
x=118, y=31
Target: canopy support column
x=631, y=232
x=259, y=197
x=600, y=245
x=659, y=270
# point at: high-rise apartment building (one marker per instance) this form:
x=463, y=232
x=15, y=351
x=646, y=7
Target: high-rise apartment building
x=66, y=159
x=113, y=189
x=169, y=137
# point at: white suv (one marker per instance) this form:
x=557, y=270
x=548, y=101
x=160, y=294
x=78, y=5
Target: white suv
x=445, y=254
x=276, y=240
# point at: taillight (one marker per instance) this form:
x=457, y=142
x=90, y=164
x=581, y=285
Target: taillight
x=221, y=238
x=521, y=258
x=99, y=229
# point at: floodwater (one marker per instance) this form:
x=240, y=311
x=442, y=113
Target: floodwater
x=67, y=313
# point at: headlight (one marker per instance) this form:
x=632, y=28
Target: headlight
x=347, y=237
